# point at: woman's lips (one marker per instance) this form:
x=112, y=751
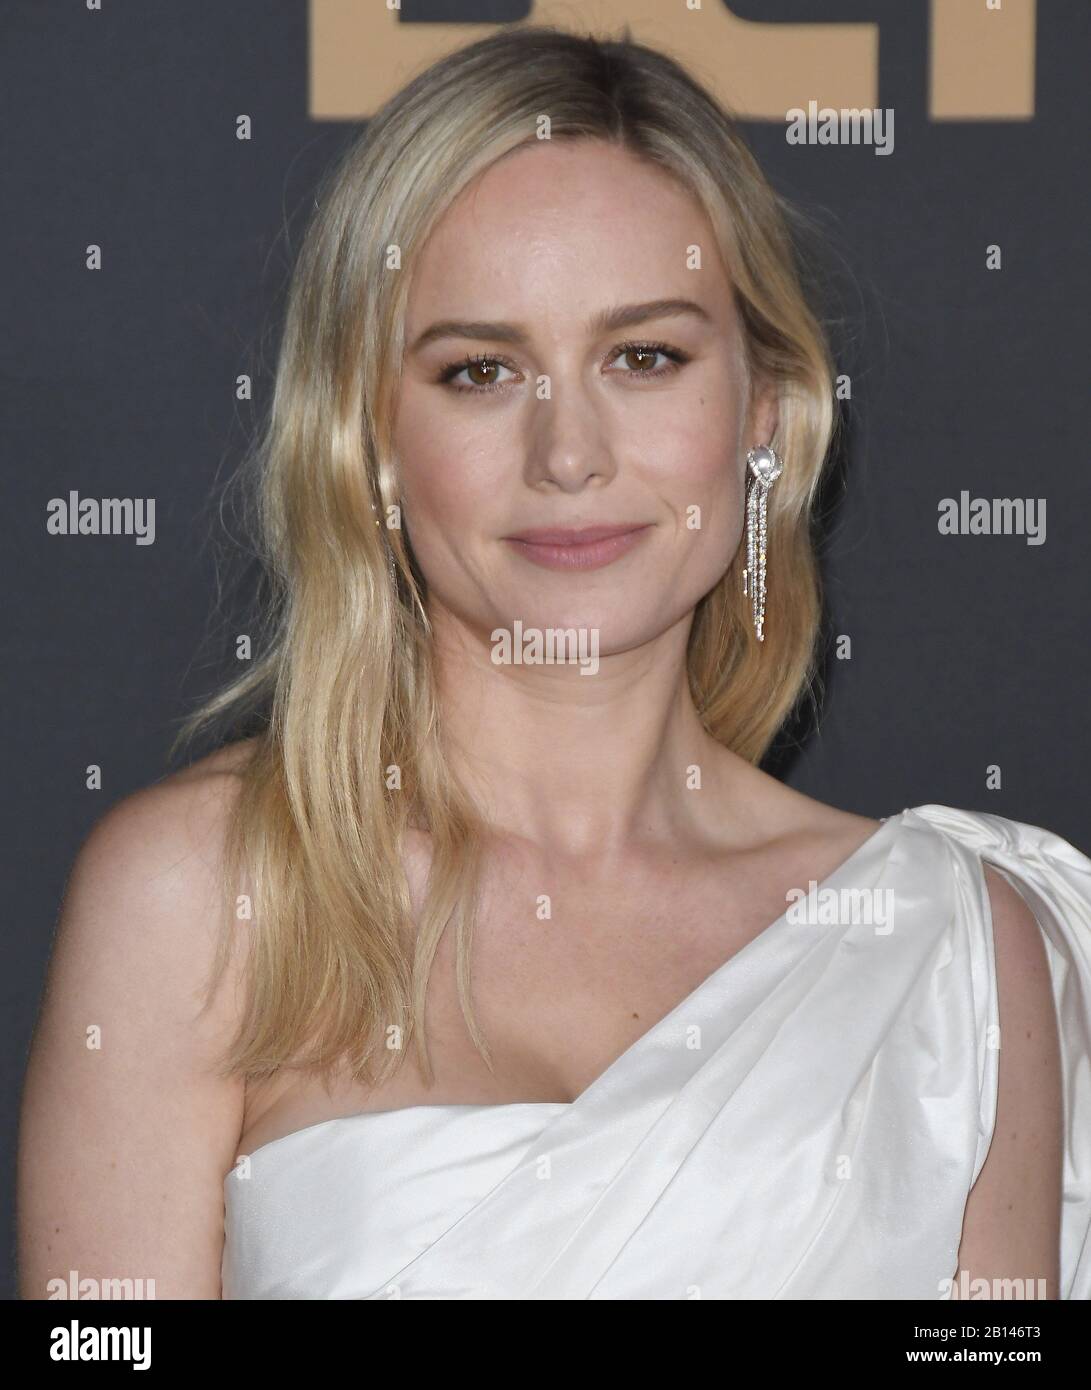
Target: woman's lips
x=588, y=549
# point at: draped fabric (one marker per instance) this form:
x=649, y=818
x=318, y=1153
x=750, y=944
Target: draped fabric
x=806, y=1124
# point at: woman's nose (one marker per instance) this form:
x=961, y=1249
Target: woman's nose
x=569, y=442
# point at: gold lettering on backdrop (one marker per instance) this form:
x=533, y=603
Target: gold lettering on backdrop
x=980, y=62
x=360, y=53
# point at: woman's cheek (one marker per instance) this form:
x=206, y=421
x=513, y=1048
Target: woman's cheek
x=711, y=515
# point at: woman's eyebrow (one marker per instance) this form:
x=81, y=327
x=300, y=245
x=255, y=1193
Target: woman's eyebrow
x=606, y=320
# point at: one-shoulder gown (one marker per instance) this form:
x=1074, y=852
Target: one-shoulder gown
x=806, y=1124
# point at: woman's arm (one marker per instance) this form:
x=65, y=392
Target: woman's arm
x=126, y=1132
x=1011, y=1228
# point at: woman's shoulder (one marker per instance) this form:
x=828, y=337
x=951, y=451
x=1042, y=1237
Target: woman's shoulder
x=154, y=860
x=989, y=832
x=1019, y=902
x=1018, y=895
x=1002, y=910
x=1019, y=899
x=778, y=814
x=128, y=1046
x=1025, y=882
x=217, y=773
x=184, y=808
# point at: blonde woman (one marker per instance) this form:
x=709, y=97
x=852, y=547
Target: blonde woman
x=523, y=980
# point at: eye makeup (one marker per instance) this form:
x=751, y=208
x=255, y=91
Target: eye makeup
x=450, y=370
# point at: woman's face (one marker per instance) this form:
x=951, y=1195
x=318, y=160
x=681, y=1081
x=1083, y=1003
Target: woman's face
x=573, y=417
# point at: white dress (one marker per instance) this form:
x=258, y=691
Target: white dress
x=806, y=1124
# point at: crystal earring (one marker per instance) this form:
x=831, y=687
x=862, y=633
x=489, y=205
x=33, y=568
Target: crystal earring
x=765, y=468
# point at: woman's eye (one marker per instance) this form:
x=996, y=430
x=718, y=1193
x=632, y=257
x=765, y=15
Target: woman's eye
x=481, y=373
x=639, y=359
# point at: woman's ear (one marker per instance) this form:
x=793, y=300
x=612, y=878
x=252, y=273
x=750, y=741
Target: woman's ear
x=764, y=415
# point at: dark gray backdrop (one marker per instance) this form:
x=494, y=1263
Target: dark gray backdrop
x=967, y=651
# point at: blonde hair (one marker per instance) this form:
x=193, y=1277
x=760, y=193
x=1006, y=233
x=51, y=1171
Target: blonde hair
x=346, y=682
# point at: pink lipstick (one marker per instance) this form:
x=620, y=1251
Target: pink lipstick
x=587, y=549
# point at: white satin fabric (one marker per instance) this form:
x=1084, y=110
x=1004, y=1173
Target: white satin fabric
x=806, y=1124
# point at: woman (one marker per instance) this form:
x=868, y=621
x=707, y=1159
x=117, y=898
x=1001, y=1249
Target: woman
x=550, y=415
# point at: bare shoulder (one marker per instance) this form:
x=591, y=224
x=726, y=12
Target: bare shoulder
x=784, y=813
x=188, y=806
x=218, y=771
x=1011, y=1229
x=127, y=1126
x=160, y=846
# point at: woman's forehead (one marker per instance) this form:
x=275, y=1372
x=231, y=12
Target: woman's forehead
x=579, y=225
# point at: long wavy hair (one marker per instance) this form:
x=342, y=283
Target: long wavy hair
x=348, y=758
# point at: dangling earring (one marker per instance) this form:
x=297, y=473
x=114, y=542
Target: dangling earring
x=765, y=468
